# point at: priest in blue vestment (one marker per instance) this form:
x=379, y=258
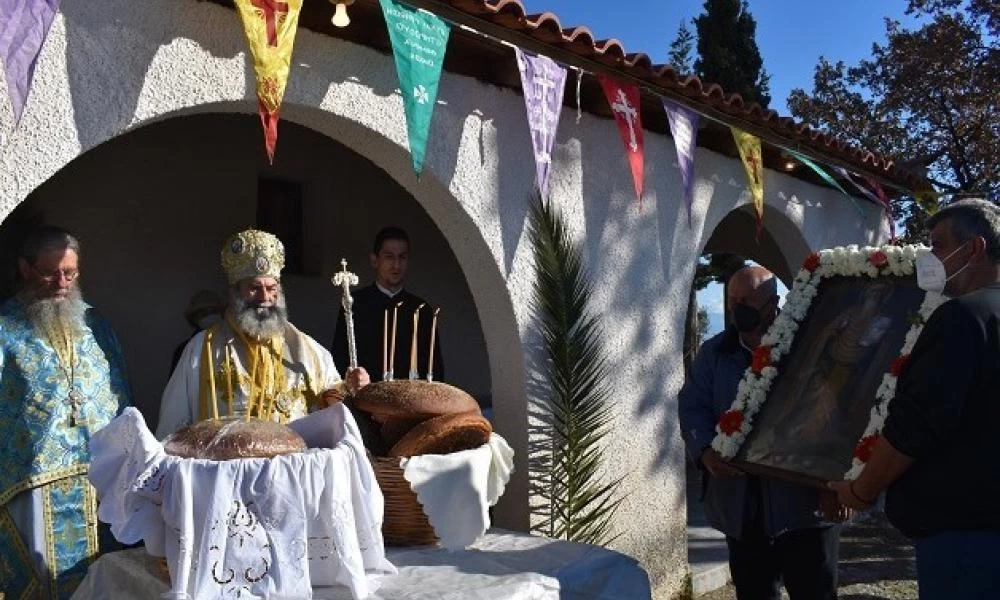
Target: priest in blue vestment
x=62, y=378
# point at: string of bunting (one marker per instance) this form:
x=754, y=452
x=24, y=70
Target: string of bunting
x=419, y=40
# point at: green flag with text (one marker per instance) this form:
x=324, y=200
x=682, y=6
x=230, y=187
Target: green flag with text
x=419, y=40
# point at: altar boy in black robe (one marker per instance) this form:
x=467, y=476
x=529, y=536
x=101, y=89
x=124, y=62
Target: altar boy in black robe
x=389, y=259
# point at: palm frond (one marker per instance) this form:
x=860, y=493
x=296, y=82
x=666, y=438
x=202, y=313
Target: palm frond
x=582, y=504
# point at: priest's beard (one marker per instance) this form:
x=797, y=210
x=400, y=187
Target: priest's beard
x=47, y=314
x=262, y=322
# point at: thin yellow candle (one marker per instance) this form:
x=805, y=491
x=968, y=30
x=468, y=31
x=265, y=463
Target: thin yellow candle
x=392, y=348
x=430, y=353
x=413, y=343
x=253, y=386
x=211, y=376
x=385, y=342
x=229, y=381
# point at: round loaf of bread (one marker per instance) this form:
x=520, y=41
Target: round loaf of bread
x=444, y=435
x=413, y=400
x=232, y=438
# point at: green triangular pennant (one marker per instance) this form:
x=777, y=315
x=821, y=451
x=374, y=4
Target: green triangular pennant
x=419, y=40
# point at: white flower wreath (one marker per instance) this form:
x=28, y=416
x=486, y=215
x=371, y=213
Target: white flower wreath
x=851, y=261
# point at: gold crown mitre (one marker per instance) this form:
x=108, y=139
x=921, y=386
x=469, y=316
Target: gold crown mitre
x=252, y=253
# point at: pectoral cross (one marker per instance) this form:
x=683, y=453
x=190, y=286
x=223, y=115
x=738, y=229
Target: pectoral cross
x=75, y=401
x=271, y=10
x=628, y=113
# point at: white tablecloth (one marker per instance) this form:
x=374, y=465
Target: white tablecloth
x=500, y=566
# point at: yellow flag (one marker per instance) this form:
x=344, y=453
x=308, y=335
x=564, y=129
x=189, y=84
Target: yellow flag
x=753, y=162
x=270, y=29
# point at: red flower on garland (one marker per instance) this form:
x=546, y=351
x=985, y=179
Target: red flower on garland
x=899, y=365
x=865, y=448
x=730, y=422
x=761, y=359
x=811, y=262
x=879, y=259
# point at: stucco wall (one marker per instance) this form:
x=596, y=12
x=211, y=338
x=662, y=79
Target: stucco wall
x=100, y=75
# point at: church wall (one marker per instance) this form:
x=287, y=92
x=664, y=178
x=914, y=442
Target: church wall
x=185, y=57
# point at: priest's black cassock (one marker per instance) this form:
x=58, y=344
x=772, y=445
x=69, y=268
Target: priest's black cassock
x=370, y=304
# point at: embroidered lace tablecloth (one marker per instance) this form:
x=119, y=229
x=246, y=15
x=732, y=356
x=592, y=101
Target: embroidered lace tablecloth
x=249, y=528
x=501, y=565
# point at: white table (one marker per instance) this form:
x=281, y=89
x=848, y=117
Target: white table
x=502, y=565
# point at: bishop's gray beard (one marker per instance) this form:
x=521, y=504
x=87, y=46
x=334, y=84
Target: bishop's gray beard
x=55, y=314
x=260, y=321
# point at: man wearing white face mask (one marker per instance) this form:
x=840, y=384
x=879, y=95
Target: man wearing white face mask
x=937, y=454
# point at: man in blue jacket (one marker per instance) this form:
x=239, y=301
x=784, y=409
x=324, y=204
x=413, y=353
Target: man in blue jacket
x=773, y=529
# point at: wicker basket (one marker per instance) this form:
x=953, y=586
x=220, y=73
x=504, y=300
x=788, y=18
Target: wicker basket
x=405, y=523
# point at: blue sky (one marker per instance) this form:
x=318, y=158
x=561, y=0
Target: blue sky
x=791, y=35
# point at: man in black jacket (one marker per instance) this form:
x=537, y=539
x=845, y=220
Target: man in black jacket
x=937, y=453
x=373, y=310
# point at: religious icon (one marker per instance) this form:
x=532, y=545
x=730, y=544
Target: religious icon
x=821, y=401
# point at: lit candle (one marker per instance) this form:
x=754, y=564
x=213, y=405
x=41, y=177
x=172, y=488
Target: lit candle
x=430, y=361
x=413, y=344
x=392, y=347
x=385, y=344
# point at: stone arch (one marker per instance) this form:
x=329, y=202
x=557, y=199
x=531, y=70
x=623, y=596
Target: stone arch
x=478, y=262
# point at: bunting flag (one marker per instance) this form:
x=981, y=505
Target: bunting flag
x=825, y=176
x=24, y=25
x=624, y=101
x=419, y=40
x=684, y=129
x=270, y=27
x=543, y=82
x=883, y=199
x=928, y=199
x=753, y=163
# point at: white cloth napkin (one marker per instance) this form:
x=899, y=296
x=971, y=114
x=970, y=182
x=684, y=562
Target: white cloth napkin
x=456, y=490
x=257, y=528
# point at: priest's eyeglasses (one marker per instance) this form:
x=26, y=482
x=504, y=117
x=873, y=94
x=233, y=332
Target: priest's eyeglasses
x=50, y=276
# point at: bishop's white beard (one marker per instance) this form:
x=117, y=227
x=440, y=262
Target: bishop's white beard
x=261, y=322
x=66, y=314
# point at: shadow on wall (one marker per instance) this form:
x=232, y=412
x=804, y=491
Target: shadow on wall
x=160, y=201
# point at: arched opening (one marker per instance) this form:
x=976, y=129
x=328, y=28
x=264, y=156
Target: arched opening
x=733, y=242
x=152, y=207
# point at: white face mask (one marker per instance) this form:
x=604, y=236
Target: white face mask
x=931, y=274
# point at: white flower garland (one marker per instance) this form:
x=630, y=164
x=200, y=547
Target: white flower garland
x=851, y=261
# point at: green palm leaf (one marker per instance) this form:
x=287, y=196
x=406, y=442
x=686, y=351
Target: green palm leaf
x=581, y=503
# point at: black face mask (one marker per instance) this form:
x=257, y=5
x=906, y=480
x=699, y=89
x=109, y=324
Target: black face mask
x=746, y=318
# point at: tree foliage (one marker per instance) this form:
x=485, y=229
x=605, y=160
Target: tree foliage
x=728, y=53
x=928, y=97
x=681, y=48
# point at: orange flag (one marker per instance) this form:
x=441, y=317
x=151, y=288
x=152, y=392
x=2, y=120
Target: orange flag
x=270, y=29
x=753, y=162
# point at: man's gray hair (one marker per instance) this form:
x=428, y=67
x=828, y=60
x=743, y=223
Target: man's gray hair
x=44, y=238
x=971, y=218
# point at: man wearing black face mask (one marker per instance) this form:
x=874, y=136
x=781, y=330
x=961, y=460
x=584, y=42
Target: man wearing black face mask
x=772, y=528
x=937, y=453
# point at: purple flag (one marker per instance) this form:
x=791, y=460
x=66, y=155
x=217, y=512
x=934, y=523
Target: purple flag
x=543, y=82
x=24, y=24
x=684, y=129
